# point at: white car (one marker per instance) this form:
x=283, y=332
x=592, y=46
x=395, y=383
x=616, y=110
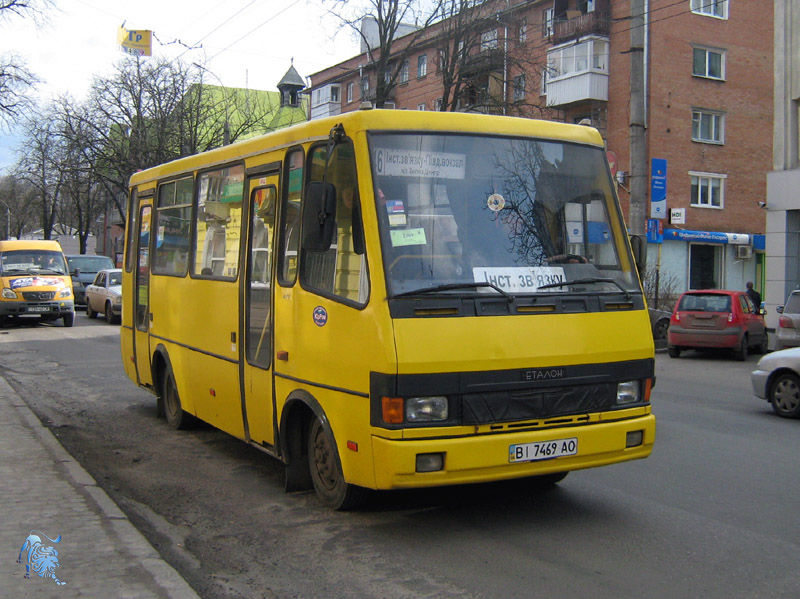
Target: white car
x=104, y=296
x=777, y=379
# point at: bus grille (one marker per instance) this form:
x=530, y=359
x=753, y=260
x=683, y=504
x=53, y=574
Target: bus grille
x=530, y=404
x=33, y=296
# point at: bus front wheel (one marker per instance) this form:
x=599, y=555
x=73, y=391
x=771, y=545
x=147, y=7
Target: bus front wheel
x=326, y=471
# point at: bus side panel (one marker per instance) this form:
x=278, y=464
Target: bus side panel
x=202, y=316
x=337, y=350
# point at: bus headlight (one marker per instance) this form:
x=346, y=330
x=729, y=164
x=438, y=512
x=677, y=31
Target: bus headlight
x=9, y=293
x=628, y=392
x=65, y=292
x=426, y=409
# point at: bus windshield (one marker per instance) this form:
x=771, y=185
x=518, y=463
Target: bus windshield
x=31, y=262
x=477, y=214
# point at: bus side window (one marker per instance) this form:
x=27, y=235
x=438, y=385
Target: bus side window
x=289, y=229
x=341, y=270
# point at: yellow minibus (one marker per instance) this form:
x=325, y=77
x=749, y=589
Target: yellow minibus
x=394, y=299
x=35, y=282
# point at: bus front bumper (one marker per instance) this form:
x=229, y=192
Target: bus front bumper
x=484, y=458
x=47, y=310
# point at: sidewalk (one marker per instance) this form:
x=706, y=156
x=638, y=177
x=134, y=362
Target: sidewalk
x=42, y=488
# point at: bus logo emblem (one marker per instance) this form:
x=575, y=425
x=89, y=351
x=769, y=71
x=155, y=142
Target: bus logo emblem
x=320, y=316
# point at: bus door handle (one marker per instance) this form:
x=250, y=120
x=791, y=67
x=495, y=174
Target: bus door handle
x=282, y=355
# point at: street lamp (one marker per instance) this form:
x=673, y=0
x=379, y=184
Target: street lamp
x=8, y=219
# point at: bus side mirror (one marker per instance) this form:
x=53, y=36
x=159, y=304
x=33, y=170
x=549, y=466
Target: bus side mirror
x=319, y=216
x=639, y=249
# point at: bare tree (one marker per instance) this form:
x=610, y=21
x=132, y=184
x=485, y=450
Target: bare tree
x=40, y=165
x=385, y=53
x=17, y=196
x=15, y=78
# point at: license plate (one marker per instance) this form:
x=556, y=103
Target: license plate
x=542, y=450
x=38, y=308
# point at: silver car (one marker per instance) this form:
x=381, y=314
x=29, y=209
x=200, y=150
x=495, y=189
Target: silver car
x=104, y=295
x=777, y=379
x=788, y=332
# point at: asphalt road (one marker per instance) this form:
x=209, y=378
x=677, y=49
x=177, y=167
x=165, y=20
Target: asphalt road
x=712, y=513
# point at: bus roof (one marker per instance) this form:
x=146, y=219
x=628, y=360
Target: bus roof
x=376, y=120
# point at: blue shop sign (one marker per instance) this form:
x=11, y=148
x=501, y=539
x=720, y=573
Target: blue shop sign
x=706, y=236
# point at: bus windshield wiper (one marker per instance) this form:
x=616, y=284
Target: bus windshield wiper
x=451, y=286
x=585, y=282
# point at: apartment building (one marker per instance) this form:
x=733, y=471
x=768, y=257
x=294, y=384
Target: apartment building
x=783, y=183
x=708, y=71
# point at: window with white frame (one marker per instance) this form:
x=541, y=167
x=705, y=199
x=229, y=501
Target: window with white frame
x=576, y=58
x=334, y=93
x=422, y=66
x=708, y=126
x=522, y=31
x=365, y=88
x=519, y=88
x=708, y=190
x=547, y=22
x=421, y=106
x=545, y=75
x=350, y=87
x=489, y=40
x=711, y=8
x=708, y=63
x=438, y=104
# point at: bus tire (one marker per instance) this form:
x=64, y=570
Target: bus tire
x=69, y=319
x=173, y=411
x=326, y=471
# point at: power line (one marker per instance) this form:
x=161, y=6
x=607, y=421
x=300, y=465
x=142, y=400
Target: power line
x=254, y=29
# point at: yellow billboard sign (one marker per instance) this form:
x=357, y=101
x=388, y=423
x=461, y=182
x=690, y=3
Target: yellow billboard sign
x=135, y=41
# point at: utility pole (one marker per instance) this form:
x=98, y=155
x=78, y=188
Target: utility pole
x=638, y=124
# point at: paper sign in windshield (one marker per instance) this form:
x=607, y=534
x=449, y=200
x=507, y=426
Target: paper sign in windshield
x=520, y=279
x=419, y=163
x=401, y=237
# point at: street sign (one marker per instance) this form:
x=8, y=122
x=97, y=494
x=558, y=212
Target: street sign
x=658, y=188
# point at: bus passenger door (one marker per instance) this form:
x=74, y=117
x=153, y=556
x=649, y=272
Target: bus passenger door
x=141, y=298
x=257, y=386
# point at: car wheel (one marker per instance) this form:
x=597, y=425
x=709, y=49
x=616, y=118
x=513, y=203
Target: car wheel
x=660, y=329
x=89, y=312
x=176, y=417
x=741, y=353
x=674, y=352
x=109, y=314
x=763, y=347
x=326, y=471
x=69, y=319
x=784, y=395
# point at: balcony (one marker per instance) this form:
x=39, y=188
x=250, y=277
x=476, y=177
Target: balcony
x=483, y=62
x=574, y=24
x=579, y=87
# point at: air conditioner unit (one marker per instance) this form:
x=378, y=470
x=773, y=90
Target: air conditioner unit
x=744, y=252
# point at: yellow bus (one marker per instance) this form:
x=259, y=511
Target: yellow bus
x=394, y=299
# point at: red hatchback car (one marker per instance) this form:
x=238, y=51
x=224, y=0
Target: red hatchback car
x=716, y=318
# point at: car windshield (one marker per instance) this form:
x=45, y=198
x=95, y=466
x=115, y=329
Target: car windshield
x=30, y=262
x=89, y=264
x=708, y=302
x=476, y=214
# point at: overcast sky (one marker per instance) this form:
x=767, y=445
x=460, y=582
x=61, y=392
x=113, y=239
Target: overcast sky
x=243, y=42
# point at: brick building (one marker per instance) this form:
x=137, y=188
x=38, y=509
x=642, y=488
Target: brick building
x=708, y=102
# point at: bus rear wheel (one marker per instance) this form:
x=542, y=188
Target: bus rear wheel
x=326, y=471
x=176, y=417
